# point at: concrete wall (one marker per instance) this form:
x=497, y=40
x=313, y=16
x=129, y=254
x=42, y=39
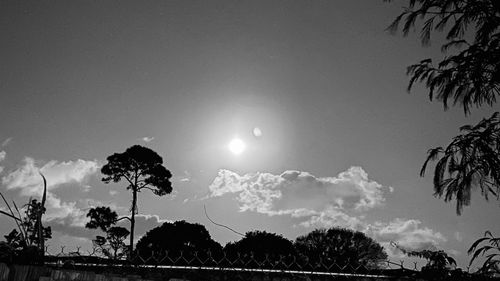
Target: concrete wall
x=46, y=273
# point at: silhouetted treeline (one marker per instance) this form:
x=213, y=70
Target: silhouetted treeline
x=320, y=248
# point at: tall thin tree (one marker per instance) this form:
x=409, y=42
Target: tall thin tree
x=141, y=168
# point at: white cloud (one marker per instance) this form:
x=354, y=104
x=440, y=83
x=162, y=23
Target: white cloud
x=66, y=213
x=317, y=202
x=68, y=218
x=80, y=233
x=143, y=223
x=147, y=139
x=294, y=190
x=27, y=178
x=407, y=233
x=331, y=217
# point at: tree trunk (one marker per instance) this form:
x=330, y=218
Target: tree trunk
x=41, y=240
x=132, y=221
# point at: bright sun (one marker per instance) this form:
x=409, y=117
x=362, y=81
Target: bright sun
x=236, y=146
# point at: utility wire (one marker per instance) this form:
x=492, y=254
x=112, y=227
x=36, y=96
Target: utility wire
x=221, y=225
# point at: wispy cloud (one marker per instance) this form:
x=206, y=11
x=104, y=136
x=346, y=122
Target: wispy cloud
x=147, y=139
x=408, y=233
x=3, y=154
x=6, y=141
x=330, y=217
x=186, y=177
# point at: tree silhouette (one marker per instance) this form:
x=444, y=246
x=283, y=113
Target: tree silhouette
x=28, y=244
x=101, y=217
x=471, y=159
x=436, y=259
x=471, y=75
x=490, y=248
x=340, y=246
x=112, y=245
x=174, y=238
x=141, y=168
x=261, y=244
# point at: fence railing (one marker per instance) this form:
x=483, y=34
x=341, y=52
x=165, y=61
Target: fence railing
x=206, y=265
x=242, y=262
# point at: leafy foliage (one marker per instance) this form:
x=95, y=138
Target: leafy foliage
x=141, y=168
x=112, y=245
x=101, y=217
x=471, y=159
x=180, y=236
x=490, y=249
x=29, y=225
x=261, y=244
x=471, y=76
x=440, y=266
x=27, y=242
x=341, y=246
x=436, y=259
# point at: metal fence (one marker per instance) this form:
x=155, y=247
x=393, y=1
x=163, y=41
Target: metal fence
x=237, y=265
x=95, y=265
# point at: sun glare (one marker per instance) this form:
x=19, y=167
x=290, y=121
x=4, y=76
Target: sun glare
x=236, y=146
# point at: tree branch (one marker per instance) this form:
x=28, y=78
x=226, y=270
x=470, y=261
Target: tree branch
x=122, y=218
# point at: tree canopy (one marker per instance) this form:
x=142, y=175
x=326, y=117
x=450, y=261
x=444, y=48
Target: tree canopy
x=340, y=246
x=176, y=237
x=141, y=168
x=260, y=244
x=101, y=217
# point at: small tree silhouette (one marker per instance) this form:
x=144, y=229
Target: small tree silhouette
x=28, y=244
x=112, y=245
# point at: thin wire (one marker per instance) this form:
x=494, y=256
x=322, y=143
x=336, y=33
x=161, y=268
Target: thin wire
x=218, y=224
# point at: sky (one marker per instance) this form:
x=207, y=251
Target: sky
x=314, y=90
